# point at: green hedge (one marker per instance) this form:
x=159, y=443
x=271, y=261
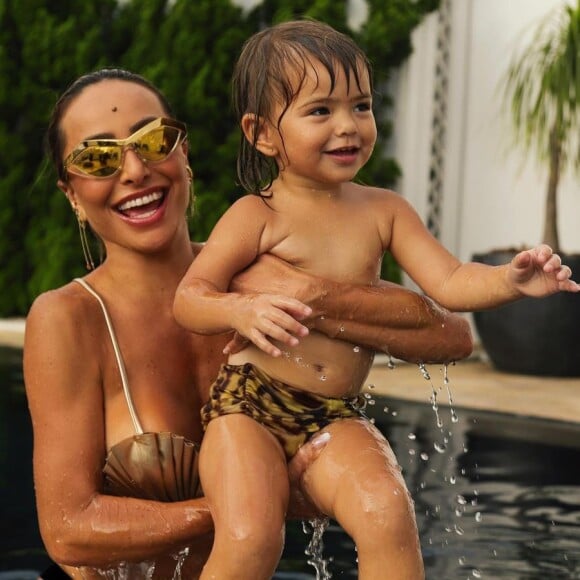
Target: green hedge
x=186, y=47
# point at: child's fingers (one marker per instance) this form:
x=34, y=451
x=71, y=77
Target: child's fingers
x=235, y=345
x=553, y=263
x=295, y=308
x=260, y=340
x=283, y=328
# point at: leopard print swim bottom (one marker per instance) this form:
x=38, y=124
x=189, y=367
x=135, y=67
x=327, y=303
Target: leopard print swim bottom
x=291, y=415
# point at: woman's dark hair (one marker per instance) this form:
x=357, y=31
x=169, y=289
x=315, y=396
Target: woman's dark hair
x=266, y=73
x=54, y=142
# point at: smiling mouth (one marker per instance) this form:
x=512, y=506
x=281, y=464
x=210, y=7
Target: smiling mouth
x=344, y=151
x=141, y=207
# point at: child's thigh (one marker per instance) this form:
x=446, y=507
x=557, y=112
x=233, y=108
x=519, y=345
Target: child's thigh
x=356, y=472
x=243, y=469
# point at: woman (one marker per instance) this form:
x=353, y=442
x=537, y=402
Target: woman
x=114, y=384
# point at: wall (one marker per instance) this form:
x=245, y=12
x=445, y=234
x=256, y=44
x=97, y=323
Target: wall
x=490, y=195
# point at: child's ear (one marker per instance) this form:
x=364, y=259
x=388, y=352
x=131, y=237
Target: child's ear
x=257, y=129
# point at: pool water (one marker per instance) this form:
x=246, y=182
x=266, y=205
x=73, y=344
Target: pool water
x=496, y=496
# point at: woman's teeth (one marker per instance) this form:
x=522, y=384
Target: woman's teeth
x=139, y=201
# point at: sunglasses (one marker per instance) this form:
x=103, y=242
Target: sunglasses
x=102, y=158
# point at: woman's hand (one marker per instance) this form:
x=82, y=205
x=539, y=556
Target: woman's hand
x=300, y=506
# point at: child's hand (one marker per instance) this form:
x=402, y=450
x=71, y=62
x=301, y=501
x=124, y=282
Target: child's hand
x=237, y=344
x=539, y=272
x=260, y=317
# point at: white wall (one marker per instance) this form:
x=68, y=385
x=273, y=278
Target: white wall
x=492, y=196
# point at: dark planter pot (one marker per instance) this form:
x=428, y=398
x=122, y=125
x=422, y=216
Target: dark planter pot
x=533, y=336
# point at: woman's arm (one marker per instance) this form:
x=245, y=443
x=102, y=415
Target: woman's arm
x=63, y=378
x=387, y=318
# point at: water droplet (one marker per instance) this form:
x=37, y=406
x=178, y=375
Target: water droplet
x=424, y=456
x=424, y=371
x=461, y=561
x=478, y=516
x=356, y=349
x=370, y=386
x=323, y=378
x=476, y=573
x=461, y=500
x=412, y=436
x=439, y=447
x=411, y=452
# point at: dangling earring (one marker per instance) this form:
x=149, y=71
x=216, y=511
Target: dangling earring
x=89, y=263
x=191, y=206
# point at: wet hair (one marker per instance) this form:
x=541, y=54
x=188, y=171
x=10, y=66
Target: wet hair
x=54, y=139
x=271, y=69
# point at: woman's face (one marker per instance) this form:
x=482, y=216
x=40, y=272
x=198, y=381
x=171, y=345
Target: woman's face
x=141, y=207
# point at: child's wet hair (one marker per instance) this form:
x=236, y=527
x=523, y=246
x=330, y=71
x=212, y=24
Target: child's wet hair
x=270, y=71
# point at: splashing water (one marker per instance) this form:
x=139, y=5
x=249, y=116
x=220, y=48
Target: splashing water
x=123, y=571
x=141, y=570
x=315, y=547
x=180, y=558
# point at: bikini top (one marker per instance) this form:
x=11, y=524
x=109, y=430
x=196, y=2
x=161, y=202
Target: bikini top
x=157, y=466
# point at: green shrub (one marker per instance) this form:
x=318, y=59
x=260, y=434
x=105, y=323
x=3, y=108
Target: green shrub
x=185, y=47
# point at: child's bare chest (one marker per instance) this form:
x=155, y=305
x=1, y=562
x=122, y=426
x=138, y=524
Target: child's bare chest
x=343, y=244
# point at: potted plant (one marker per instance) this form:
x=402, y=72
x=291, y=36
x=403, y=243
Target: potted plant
x=542, y=91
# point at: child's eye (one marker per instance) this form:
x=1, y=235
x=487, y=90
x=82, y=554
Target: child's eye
x=320, y=111
x=362, y=107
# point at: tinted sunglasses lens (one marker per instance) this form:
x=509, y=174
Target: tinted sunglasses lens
x=105, y=159
x=157, y=144
x=98, y=161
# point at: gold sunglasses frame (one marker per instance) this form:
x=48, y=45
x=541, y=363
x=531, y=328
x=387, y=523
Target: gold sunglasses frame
x=123, y=143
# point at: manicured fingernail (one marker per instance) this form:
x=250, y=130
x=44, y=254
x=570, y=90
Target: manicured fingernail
x=321, y=440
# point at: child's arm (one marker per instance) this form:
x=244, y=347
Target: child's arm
x=386, y=317
x=203, y=304
x=470, y=286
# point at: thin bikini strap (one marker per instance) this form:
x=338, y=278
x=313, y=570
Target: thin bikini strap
x=120, y=363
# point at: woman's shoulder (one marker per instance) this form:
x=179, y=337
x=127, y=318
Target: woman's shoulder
x=59, y=301
x=63, y=310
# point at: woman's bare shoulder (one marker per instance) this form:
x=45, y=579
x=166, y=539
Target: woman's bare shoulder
x=62, y=302
x=61, y=314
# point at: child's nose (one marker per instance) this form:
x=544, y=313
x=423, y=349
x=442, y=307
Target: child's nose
x=346, y=124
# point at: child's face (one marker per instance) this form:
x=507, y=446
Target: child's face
x=327, y=137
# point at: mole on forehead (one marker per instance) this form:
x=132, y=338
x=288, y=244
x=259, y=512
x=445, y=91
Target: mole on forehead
x=114, y=109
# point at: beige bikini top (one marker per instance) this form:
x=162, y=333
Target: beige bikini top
x=158, y=466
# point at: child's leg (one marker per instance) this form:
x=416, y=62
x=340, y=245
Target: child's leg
x=357, y=481
x=245, y=479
